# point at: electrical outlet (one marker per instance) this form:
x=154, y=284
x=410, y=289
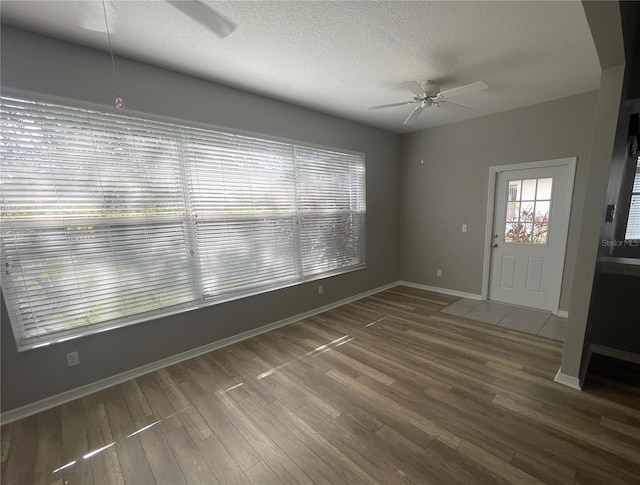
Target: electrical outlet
x=73, y=358
x=464, y=228
x=438, y=272
x=320, y=289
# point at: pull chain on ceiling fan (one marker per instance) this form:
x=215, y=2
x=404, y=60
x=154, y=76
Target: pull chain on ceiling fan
x=118, y=101
x=197, y=10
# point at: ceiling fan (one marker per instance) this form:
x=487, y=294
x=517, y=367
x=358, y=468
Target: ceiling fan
x=204, y=14
x=429, y=94
x=91, y=15
x=197, y=10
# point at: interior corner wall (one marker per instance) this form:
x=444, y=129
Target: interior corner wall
x=44, y=66
x=606, y=29
x=608, y=104
x=451, y=187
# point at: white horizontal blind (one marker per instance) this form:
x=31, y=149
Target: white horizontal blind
x=93, y=224
x=633, y=222
x=331, y=201
x=108, y=220
x=242, y=192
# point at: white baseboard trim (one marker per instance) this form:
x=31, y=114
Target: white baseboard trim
x=73, y=394
x=566, y=380
x=615, y=353
x=563, y=313
x=445, y=291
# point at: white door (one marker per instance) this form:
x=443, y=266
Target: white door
x=530, y=223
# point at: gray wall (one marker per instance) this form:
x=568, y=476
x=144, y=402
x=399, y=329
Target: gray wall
x=604, y=22
x=613, y=313
x=42, y=65
x=623, y=167
x=450, y=188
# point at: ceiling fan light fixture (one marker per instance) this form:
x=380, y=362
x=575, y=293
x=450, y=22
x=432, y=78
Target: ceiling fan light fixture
x=431, y=90
x=429, y=94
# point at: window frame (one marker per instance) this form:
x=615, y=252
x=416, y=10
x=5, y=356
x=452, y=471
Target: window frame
x=628, y=247
x=52, y=338
x=634, y=172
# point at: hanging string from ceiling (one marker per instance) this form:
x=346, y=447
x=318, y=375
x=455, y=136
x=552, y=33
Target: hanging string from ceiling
x=118, y=101
x=422, y=148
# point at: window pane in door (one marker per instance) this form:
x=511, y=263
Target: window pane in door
x=527, y=214
x=526, y=211
x=514, y=189
x=539, y=235
x=544, y=189
x=513, y=211
x=542, y=211
x=518, y=232
x=529, y=189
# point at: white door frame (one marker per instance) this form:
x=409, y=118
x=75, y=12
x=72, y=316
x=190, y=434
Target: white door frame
x=493, y=173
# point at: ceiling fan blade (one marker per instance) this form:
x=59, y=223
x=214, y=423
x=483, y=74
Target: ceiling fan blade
x=414, y=87
x=205, y=15
x=448, y=105
x=90, y=16
x=392, y=105
x=415, y=114
x=467, y=88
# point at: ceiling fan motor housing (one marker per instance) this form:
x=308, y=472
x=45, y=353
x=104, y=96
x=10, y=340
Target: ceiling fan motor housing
x=431, y=90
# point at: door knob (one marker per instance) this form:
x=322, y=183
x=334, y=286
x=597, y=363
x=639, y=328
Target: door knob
x=494, y=245
x=495, y=236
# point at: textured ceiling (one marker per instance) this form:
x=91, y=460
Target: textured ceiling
x=341, y=57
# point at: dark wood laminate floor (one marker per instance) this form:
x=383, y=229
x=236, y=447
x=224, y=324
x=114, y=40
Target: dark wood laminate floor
x=383, y=390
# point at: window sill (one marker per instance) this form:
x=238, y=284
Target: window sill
x=46, y=340
x=620, y=266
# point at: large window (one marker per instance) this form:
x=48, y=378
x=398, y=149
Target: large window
x=633, y=222
x=108, y=220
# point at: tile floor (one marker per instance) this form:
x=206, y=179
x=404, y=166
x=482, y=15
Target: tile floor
x=536, y=322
